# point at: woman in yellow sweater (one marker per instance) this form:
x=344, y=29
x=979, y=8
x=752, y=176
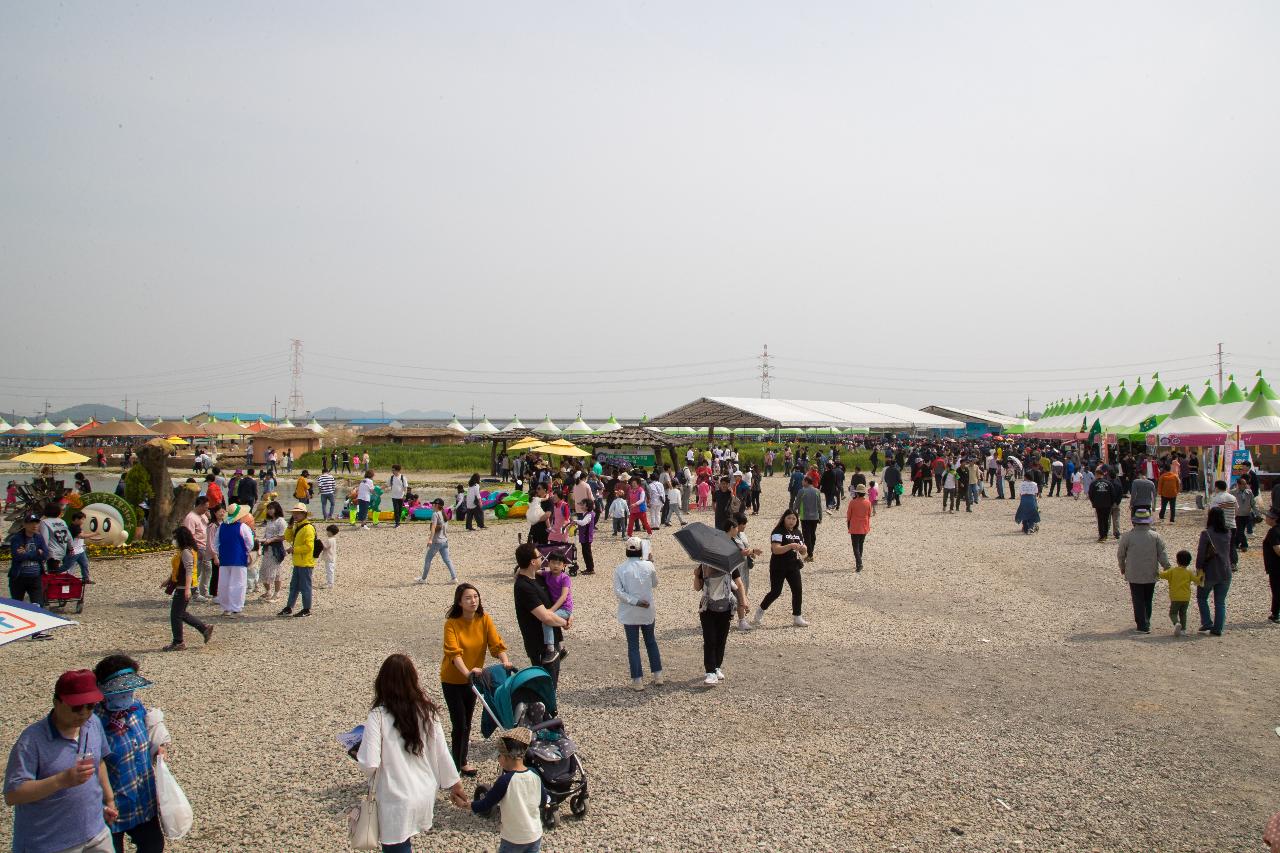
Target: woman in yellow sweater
x=468, y=633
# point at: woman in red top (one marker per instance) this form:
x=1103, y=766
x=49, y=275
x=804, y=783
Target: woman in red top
x=858, y=516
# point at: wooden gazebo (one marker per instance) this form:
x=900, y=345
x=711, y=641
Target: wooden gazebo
x=636, y=437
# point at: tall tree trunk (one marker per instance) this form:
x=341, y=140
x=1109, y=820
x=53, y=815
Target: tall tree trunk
x=154, y=457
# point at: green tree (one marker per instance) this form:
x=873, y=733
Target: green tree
x=137, y=488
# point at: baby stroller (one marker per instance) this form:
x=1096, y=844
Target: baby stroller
x=528, y=698
x=568, y=550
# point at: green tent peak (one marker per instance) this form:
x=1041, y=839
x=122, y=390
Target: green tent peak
x=1210, y=396
x=1158, y=393
x=1094, y=403
x=1262, y=390
x=1139, y=395
x=1261, y=408
x=1233, y=394
x=1109, y=400
x=1186, y=408
x=1122, y=399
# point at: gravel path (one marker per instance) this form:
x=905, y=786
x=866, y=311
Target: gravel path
x=973, y=689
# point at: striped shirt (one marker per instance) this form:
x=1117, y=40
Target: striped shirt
x=327, y=484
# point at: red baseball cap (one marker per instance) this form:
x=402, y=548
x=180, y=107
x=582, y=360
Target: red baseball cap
x=78, y=687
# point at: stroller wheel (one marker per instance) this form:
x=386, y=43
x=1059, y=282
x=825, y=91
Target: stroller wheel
x=480, y=791
x=550, y=818
x=578, y=805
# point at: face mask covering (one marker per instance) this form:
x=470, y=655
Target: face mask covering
x=119, y=701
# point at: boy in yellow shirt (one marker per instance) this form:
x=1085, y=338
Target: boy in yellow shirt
x=1180, y=578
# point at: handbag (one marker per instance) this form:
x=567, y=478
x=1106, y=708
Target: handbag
x=363, y=831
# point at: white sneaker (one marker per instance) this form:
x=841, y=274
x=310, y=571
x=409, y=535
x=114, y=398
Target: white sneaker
x=658, y=679
x=758, y=618
x=712, y=680
x=1177, y=630
x=421, y=580
x=800, y=622
x=719, y=673
x=637, y=684
x=744, y=625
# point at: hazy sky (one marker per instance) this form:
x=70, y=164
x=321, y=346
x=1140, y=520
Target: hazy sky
x=520, y=206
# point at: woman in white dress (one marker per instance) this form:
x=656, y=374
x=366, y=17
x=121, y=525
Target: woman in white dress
x=405, y=752
x=271, y=538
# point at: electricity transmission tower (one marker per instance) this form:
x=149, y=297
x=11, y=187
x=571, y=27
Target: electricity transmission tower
x=295, y=388
x=764, y=372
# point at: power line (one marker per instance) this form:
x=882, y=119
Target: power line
x=525, y=383
x=538, y=390
x=931, y=370
x=437, y=370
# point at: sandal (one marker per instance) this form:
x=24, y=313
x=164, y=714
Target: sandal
x=469, y=771
x=174, y=647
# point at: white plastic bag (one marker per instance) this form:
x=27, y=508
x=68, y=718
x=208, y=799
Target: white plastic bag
x=157, y=731
x=175, y=811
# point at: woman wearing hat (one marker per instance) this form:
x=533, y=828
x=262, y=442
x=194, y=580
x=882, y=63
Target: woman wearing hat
x=234, y=549
x=128, y=755
x=858, y=517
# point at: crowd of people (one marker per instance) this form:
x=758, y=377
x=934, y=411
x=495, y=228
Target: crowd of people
x=225, y=553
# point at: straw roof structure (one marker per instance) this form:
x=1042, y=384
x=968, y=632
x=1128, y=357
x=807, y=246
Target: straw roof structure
x=117, y=429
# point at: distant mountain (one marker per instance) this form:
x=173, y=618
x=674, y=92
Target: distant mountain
x=337, y=413
x=419, y=415
x=80, y=414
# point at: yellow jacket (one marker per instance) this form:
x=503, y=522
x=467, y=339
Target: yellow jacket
x=303, y=539
x=468, y=640
x=1180, y=579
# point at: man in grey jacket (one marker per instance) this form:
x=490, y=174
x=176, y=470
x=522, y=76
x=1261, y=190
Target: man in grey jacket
x=1142, y=492
x=1141, y=554
x=809, y=508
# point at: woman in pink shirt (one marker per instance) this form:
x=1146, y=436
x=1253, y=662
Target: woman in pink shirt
x=637, y=497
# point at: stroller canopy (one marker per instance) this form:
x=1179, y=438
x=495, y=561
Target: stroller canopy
x=503, y=692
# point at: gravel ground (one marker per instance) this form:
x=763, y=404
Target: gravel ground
x=973, y=689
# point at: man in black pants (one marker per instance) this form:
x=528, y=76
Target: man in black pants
x=892, y=479
x=1102, y=499
x=810, y=508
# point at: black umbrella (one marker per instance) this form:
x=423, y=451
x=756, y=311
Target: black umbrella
x=709, y=546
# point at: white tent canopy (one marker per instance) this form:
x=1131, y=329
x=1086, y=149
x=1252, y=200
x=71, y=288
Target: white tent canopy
x=975, y=415
x=771, y=413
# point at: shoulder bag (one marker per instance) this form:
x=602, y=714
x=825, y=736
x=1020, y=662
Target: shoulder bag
x=362, y=818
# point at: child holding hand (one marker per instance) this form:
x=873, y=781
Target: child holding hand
x=519, y=793
x=1180, y=578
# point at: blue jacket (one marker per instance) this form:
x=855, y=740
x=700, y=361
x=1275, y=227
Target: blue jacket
x=28, y=555
x=231, y=550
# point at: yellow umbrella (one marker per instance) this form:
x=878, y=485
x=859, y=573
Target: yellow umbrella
x=51, y=454
x=526, y=443
x=561, y=447
x=177, y=441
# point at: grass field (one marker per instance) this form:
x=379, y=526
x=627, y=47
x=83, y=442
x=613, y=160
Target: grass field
x=475, y=457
